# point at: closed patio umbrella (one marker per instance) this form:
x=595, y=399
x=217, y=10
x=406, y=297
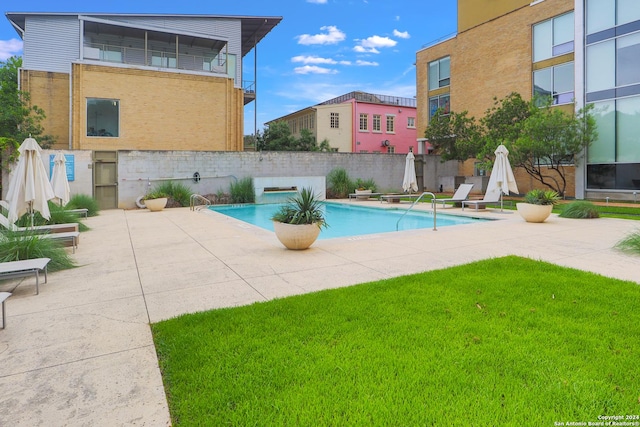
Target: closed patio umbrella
x=29, y=189
x=59, y=180
x=502, y=178
x=410, y=182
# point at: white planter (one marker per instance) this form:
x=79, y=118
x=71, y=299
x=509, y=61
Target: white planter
x=294, y=236
x=534, y=213
x=155, y=205
x=363, y=194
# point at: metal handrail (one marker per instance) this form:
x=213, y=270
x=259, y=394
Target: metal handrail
x=194, y=197
x=433, y=199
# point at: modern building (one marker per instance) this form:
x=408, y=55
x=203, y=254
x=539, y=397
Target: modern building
x=359, y=122
x=579, y=51
x=140, y=81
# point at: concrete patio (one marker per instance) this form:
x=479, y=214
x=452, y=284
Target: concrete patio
x=81, y=352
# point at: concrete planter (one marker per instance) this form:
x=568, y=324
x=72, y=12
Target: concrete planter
x=155, y=205
x=296, y=237
x=363, y=194
x=534, y=213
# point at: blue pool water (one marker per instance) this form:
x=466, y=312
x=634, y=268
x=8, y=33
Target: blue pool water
x=345, y=220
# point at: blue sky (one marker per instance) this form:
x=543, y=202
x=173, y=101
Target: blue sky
x=321, y=49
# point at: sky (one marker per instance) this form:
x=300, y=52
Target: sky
x=320, y=50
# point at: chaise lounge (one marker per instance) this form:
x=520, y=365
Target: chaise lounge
x=490, y=197
x=461, y=194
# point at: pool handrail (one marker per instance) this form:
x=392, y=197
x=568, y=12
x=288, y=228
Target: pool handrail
x=414, y=203
x=202, y=199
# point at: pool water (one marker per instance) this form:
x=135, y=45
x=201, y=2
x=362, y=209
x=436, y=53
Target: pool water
x=345, y=221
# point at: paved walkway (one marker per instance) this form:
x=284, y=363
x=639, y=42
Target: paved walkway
x=81, y=352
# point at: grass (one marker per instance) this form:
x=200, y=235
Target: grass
x=84, y=201
x=177, y=191
x=580, y=209
x=19, y=245
x=243, y=191
x=507, y=341
x=59, y=215
x=630, y=244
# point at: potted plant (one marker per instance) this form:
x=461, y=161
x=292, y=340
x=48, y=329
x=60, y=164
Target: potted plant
x=297, y=224
x=364, y=189
x=537, y=205
x=155, y=200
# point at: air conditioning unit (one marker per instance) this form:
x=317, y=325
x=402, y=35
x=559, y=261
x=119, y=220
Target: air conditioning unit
x=385, y=143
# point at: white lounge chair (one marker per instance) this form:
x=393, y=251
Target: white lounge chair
x=66, y=232
x=461, y=194
x=490, y=197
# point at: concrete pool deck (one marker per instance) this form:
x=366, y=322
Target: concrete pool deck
x=81, y=352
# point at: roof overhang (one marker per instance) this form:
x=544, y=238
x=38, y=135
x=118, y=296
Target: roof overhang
x=254, y=28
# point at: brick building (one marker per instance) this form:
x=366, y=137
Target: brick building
x=579, y=51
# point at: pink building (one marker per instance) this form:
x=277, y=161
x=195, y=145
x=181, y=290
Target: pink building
x=360, y=122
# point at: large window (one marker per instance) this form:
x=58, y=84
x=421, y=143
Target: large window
x=376, y=123
x=103, y=117
x=411, y=122
x=613, y=63
x=553, y=37
x=556, y=82
x=364, y=122
x=438, y=102
x=391, y=123
x=335, y=120
x=605, y=14
x=439, y=73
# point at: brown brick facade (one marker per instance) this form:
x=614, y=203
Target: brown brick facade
x=489, y=60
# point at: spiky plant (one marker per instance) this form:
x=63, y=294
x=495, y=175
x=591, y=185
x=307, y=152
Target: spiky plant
x=21, y=245
x=630, y=244
x=243, y=191
x=542, y=197
x=84, y=201
x=303, y=208
x=580, y=209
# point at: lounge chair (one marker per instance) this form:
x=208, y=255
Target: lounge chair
x=461, y=194
x=66, y=232
x=490, y=197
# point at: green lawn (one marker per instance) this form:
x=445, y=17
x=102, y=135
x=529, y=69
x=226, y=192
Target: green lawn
x=507, y=341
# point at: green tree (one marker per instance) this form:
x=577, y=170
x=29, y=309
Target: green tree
x=454, y=136
x=18, y=119
x=277, y=137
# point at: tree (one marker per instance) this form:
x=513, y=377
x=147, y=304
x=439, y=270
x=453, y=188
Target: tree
x=541, y=139
x=454, y=136
x=277, y=137
x=18, y=120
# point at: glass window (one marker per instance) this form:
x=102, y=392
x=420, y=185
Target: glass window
x=439, y=73
x=600, y=15
x=411, y=122
x=628, y=60
x=364, y=119
x=437, y=102
x=628, y=130
x=604, y=148
x=335, y=120
x=391, y=128
x=553, y=37
x=376, y=123
x=543, y=83
x=556, y=82
x=601, y=66
x=103, y=117
x=628, y=11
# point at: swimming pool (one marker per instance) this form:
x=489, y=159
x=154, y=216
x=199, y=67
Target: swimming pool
x=346, y=221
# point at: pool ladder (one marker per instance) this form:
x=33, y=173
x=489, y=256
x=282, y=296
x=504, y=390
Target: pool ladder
x=204, y=202
x=433, y=203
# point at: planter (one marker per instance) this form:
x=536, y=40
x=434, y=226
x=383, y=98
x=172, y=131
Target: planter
x=363, y=194
x=155, y=205
x=294, y=236
x=534, y=213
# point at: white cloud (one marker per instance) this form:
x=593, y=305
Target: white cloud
x=371, y=44
x=313, y=60
x=397, y=18
x=366, y=63
x=317, y=1
x=314, y=69
x=402, y=35
x=345, y=62
x=9, y=48
x=332, y=36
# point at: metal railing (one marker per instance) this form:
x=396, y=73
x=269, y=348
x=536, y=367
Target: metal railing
x=197, y=197
x=433, y=199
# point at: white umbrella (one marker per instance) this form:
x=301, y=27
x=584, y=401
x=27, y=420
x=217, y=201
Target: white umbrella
x=59, y=180
x=501, y=178
x=29, y=188
x=410, y=182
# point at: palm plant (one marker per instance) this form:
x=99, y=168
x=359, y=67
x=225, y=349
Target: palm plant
x=303, y=208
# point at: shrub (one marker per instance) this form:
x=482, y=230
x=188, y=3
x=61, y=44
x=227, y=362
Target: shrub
x=177, y=191
x=366, y=184
x=340, y=185
x=59, y=215
x=83, y=201
x=155, y=194
x=21, y=245
x=630, y=244
x=242, y=191
x=541, y=197
x=580, y=209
